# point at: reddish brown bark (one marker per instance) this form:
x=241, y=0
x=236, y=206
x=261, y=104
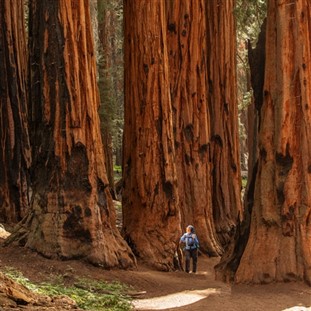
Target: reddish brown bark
x=72, y=214
x=279, y=247
x=150, y=199
x=188, y=83
x=15, y=154
x=226, y=183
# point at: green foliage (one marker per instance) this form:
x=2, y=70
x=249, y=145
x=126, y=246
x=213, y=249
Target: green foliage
x=244, y=183
x=118, y=206
x=249, y=16
x=117, y=169
x=88, y=294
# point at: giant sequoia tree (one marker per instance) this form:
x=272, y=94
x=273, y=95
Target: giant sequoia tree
x=187, y=51
x=226, y=177
x=150, y=199
x=71, y=211
x=15, y=154
x=282, y=202
x=278, y=247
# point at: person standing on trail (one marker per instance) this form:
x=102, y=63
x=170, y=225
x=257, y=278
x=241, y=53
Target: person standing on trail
x=191, y=245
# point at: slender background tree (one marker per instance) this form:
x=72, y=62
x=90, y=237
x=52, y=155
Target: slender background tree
x=110, y=64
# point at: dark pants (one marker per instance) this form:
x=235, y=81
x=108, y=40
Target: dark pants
x=192, y=253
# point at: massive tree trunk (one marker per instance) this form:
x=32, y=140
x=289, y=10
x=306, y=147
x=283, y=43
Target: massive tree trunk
x=150, y=198
x=188, y=84
x=279, y=247
x=72, y=214
x=15, y=154
x=226, y=183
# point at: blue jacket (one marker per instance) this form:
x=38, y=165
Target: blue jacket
x=191, y=241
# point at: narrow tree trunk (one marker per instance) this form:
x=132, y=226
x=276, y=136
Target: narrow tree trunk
x=279, y=245
x=188, y=84
x=256, y=59
x=105, y=83
x=15, y=155
x=226, y=184
x=150, y=198
x=72, y=214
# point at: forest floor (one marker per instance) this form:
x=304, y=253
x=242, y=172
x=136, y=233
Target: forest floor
x=165, y=290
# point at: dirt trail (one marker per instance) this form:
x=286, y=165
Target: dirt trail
x=169, y=290
x=181, y=291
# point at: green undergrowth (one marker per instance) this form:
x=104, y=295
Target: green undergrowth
x=88, y=294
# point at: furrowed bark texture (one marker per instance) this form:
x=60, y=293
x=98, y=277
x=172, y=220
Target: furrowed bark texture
x=72, y=214
x=279, y=245
x=150, y=200
x=15, y=151
x=226, y=183
x=188, y=83
x=230, y=260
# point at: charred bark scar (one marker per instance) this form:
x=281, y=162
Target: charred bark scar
x=77, y=179
x=226, y=107
x=285, y=162
x=156, y=189
x=280, y=193
x=234, y=167
x=159, y=127
x=73, y=226
x=188, y=131
x=203, y=150
x=217, y=140
x=187, y=159
x=128, y=166
x=168, y=189
x=263, y=153
x=88, y=212
x=146, y=68
x=102, y=197
x=172, y=27
x=288, y=222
